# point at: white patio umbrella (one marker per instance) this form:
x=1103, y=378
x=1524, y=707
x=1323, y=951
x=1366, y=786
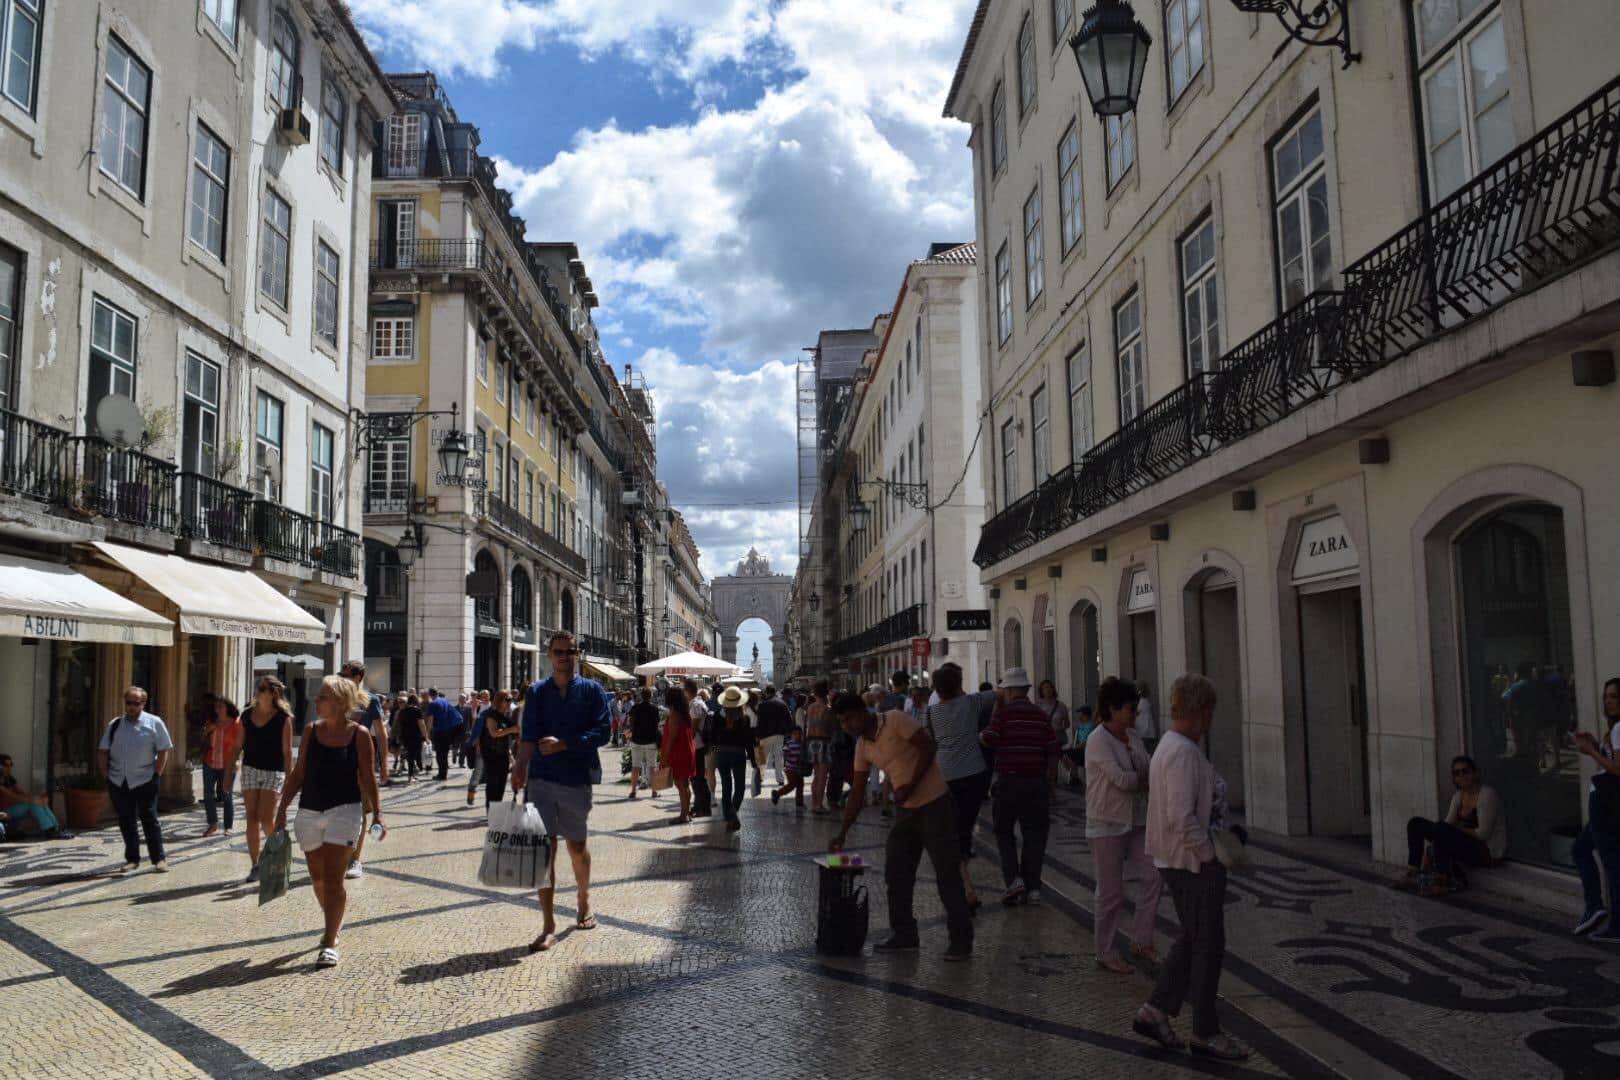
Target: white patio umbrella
x=688, y=663
x=269, y=661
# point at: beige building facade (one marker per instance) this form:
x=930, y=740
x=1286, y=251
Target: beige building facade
x=1326, y=375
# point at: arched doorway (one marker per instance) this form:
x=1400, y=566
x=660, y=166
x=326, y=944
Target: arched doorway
x=1085, y=655
x=1517, y=659
x=386, y=605
x=568, y=610
x=1012, y=645
x=755, y=634
x=487, y=627
x=523, y=644
x=1210, y=602
x=1139, y=637
x=1045, y=624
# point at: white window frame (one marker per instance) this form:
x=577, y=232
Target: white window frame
x=1004, y=317
x=1455, y=50
x=502, y=377
x=1121, y=136
x=1009, y=462
x=13, y=13
x=404, y=144
x=1080, y=421
x=123, y=365
x=481, y=361
x=1200, y=298
x=1186, y=41
x=328, y=287
x=273, y=233
x=528, y=419
x=210, y=185
x=322, y=458
x=334, y=125
x=1026, y=66
x=393, y=337
x=281, y=75
x=1130, y=367
x=998, y=129
x=388, y=469
x=268, y=407
x=1034, y=249
x=201, y=437
x=119, y=109
x=1291, y=197
x=14, y=266
x=1062, y=20
x=222, y=13
x=1040, y=429
x=1071, y=201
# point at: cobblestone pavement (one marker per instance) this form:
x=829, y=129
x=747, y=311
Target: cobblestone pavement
x=703, y=966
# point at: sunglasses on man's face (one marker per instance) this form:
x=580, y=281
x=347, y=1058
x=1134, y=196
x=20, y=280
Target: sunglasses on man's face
x=564, y=652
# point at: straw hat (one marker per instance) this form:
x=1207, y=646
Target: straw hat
x=732, y=698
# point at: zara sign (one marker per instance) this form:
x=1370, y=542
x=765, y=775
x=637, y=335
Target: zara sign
x=1325, y=551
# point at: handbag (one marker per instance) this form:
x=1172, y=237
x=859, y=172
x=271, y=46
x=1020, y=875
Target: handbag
x=517, y=851
x=661, y=778
x=275, y=866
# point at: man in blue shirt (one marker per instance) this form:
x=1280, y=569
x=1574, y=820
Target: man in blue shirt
x=133, y=752
x=444, y=719
x=566, y=718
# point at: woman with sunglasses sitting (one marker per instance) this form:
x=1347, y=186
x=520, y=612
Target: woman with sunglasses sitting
x=1474, y=833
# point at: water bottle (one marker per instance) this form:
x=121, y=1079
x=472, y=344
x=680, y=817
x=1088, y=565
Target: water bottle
x=377, y=830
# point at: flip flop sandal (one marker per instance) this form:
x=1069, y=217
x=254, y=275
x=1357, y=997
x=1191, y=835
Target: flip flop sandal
x=326, y=958
x=1159, y=1031
x=1222, y=1047
x=587, y=923
x=543, y=943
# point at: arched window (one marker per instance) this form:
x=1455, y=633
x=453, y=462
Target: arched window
x=1012, y=644
x=568, y=611
x=283, y=74
x=998, y=129
x=522, y=600
x=1026, y=66
x=487, y=608
x=546, y=612
x=385, y=578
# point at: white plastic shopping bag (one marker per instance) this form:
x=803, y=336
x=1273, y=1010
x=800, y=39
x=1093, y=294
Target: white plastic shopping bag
x=517, y=851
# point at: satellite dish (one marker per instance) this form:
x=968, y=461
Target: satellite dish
x=119, y=421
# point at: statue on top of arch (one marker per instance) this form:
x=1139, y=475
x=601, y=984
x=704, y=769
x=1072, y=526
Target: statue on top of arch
x=754, y=565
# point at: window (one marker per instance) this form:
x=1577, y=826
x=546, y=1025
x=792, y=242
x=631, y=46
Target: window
x=1069, y=207
x=393, y=338
x=908, y=367
x=404, y=142
x=500, y=378
x=1062, y=16
x=112, y=353
x=199, y=424
x=1121, y=132
x=327, y=275
x=1034, y=270
x=1026, y=66
x=1003, y=296
x=1304, y=246
x=275, y=247
x=1128, y=358
x=320, y=473
x=19, y=50
x=528, y=494
x=998, y=129
x=1039, y=422
x=528, y=419
x=1009, y=462
x=267, y=429
x=1079, y=364
x=1198, y=298
x=498, y=488
x=389, y=470
x=1184, y=34
x=283, y=75
x=1467, y=114
x=334, y=122
x=210, y=180
x=223, y=15
x=11, y=281
x=126, y=97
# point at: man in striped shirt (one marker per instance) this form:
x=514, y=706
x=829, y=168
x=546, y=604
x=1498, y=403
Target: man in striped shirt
x=1026, y=777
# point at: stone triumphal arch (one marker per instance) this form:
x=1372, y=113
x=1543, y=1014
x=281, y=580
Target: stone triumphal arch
x=753, y=592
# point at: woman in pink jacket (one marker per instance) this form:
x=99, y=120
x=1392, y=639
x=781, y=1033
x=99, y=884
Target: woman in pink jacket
x=1116, y=820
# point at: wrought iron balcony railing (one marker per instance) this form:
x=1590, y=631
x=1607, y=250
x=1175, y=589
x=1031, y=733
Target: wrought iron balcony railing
x=510, y=519
x=432, y=255
x=216, y=512
x=1543, y=210
x=282, y=533
x=125, y=485
x=390, y=497
x=36, y=459
x=901, y=626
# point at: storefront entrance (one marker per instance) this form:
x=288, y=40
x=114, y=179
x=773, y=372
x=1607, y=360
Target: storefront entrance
x=486, y=663
x=1214, y=615
x=1141, y=642
x=1085, y=654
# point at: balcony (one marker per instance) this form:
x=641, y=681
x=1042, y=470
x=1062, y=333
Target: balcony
x=396, y=497
x=292, y=537
x=216, y=513
x=125, y=485
x=901, y=626
x=511, y=520
x=36, y=459
x=1546, y=209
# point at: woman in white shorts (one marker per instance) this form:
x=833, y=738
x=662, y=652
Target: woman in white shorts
x=267, y=730
x=335, y=781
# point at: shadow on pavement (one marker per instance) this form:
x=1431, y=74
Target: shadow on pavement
x=237, y=973
x=466, y=964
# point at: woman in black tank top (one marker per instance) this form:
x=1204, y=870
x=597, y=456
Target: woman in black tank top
x=265, y=755
x=334, y=780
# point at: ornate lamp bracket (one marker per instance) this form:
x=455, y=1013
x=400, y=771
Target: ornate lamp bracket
x=1315, y=22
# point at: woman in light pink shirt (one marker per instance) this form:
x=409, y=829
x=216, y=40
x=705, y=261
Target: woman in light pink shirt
x=1116, y=819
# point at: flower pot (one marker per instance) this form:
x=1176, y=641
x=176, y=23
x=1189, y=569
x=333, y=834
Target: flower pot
x=85, y=806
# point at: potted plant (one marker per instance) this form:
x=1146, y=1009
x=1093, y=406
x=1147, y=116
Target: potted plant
x=86, y=796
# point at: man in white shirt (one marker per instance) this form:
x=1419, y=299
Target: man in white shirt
x=133, y=753
x=1181, y=795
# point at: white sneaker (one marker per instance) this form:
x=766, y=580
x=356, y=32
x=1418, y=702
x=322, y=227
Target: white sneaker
x=355, y=870
x=161, y=866
x=326, y=958
x=1014, y=893
x=1033, y=897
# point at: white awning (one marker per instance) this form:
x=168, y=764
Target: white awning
x=609, y=672
x=218, y=600
x=525, y=646
x=44, y=600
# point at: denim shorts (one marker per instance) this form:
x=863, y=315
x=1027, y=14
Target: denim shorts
x=563, y=809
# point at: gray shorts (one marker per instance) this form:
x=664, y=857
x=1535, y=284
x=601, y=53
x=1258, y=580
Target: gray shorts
x=563, y=809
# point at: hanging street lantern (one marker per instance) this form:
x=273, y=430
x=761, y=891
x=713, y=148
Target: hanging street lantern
x=410, y=545
x=859, y=513
x=453, y=454
x=1111, y=48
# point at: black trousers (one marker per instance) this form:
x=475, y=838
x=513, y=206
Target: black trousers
x=497, y=768
x=733, y=768
x=1193, y=968
x=134, y=803
x=702, y=797
x=931, y=828
x=413, y=756
x=441, y=750
x=1024, y=803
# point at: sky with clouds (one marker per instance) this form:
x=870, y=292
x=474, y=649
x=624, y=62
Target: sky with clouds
x=738, y=174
